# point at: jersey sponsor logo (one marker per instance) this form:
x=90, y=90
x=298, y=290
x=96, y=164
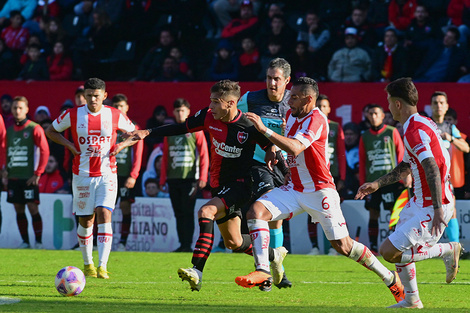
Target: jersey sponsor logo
x=197, y=113
x=82, y=125
x=81, y=205
x=16, y=141
x=93, y=139
x=81, y=188
x=215, y=128
x=226, y=151
x=291, y=161
x=95, y=131
x=387, y=139
x=242, y=137
x=82, y=195
x=94, y=151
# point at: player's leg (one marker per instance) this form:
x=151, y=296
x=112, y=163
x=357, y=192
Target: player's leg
x=313, y=236
x=183, y=208
x=22, y=223
x=372, y=204
x=452, y=229
x=85, y=241
x=37, y=223
x=125, y=206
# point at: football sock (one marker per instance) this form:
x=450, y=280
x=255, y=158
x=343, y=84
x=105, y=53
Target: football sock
x=407, y=273
x=85, y=240
x=246, y=247
x=276, y=238
x=312, y=232
x=125, y=226
x=362, y=255
x=423, y=253
x=105, y=242
x=373, y=234
x=204, y=243
x=452, y=230
x=37, y=226
x=22, y=222
x=259, y=232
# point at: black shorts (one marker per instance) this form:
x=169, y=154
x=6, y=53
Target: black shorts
x=19, y=192
x=265, y=180
x=234, y=195
x=124, y=193
x=386, y=195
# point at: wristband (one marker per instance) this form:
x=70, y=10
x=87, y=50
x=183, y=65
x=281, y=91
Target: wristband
x=452, y=138
x=268, y=133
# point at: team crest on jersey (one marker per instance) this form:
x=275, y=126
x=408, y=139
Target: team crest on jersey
x=387, y=139
x=242, y=137
x=25, y=135
x=106, y=124
x=332, y=133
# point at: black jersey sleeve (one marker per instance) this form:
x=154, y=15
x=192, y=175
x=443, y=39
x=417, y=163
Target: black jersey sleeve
x=261, y=140
x=197, y=121
x=169, y=130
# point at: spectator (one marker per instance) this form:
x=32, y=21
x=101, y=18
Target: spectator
x=55, y=32
x=377, y=15
x=153, y=169
x=274, y=51
x=225, y=64
x=351, y=63
x=80, y=96
x=388, y=119
x=183, y=63
x=365, y=33
x=245, y=25
x=458, y=12
x=170, y=72
x=152, y=190
x=333, y=12
x=443, y=62
x=301, y=61
x=42, y=113
x=57, y=151
x=51, y=181
x=400, y=13
x=390, y=59
x=365, y=123
x=351, y=142
x=59, y=63
x=6, y=103
x=25, y=8
x=15, y=36
x=8, y=62
x=20, y=177
x=249, y=60
x=184, y=168
x=280, y=31
x=153, y=59
x=36, y=68
x=33, y=40
x=224, y=9
x=158, y=119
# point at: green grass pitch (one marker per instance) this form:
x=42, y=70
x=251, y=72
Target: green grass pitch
x=148, y=282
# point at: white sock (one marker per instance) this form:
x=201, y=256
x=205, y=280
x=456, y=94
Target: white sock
x=105, y=242
x=416, y=254
x=407, y=273
x=85, y=240
x=259, y=232
x=362, y=255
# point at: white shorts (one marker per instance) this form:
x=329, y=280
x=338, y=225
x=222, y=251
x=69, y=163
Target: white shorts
x=322, y=205
x=414, y=226
x=92, y=192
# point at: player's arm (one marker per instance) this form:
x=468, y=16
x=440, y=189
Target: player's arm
x=57, y=137
x=457, y=140
x=40, y=141
x=398, y=173
x=291, y=146
x=433, y=178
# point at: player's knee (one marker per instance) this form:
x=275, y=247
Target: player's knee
x=207, y=211
x=232, y=244
x=258, y=211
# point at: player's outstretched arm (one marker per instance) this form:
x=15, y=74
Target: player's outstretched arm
x=123, y=144
x=57, y=137
x=433, y=178
x=165, y=130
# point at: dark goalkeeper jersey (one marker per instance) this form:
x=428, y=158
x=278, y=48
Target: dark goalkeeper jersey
x=232, y=144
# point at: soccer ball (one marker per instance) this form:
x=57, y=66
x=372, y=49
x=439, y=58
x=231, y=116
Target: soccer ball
x=69, y=281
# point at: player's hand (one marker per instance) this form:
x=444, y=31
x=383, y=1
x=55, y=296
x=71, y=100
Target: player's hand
x=270, y=158
x=408, y=181
x=283, y=126
x=137, y=134
x=130, y=182
x=33, y=181
x=365, y=190
x=256, y=120
x=437, y=221
x=116, y=149
x=201, y=184
x=287, y=178
x=74, y=150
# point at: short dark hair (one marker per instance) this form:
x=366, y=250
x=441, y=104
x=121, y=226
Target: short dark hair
x=151, y=180
x=181, y=102
x=226, y=87
x=14, y=13
x=281, y=64
x=95, y=83
x=34, y=46
x=307, y=84
x=322, y=96
x=439, y=93
x=119, y=97
x=455, y=31
x=404, y=89
x=452, y=113
x=375, y=105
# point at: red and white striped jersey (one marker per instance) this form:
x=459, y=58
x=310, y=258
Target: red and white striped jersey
x=94, y=135
x=310, y=170
x=422, y=141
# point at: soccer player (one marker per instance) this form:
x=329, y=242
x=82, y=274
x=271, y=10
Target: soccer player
x=451, y=137
x=380, y=150
x=233, y=141
x=311, y=189
x=94, y=184
x=271, y=105
x=27, y=153
x=421, y=221
x=185, y=165
x=129, y=161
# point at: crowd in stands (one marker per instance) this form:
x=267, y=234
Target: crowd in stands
x=205, y=40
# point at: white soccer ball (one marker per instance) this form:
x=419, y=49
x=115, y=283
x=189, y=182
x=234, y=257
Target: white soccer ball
x=70, y=281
